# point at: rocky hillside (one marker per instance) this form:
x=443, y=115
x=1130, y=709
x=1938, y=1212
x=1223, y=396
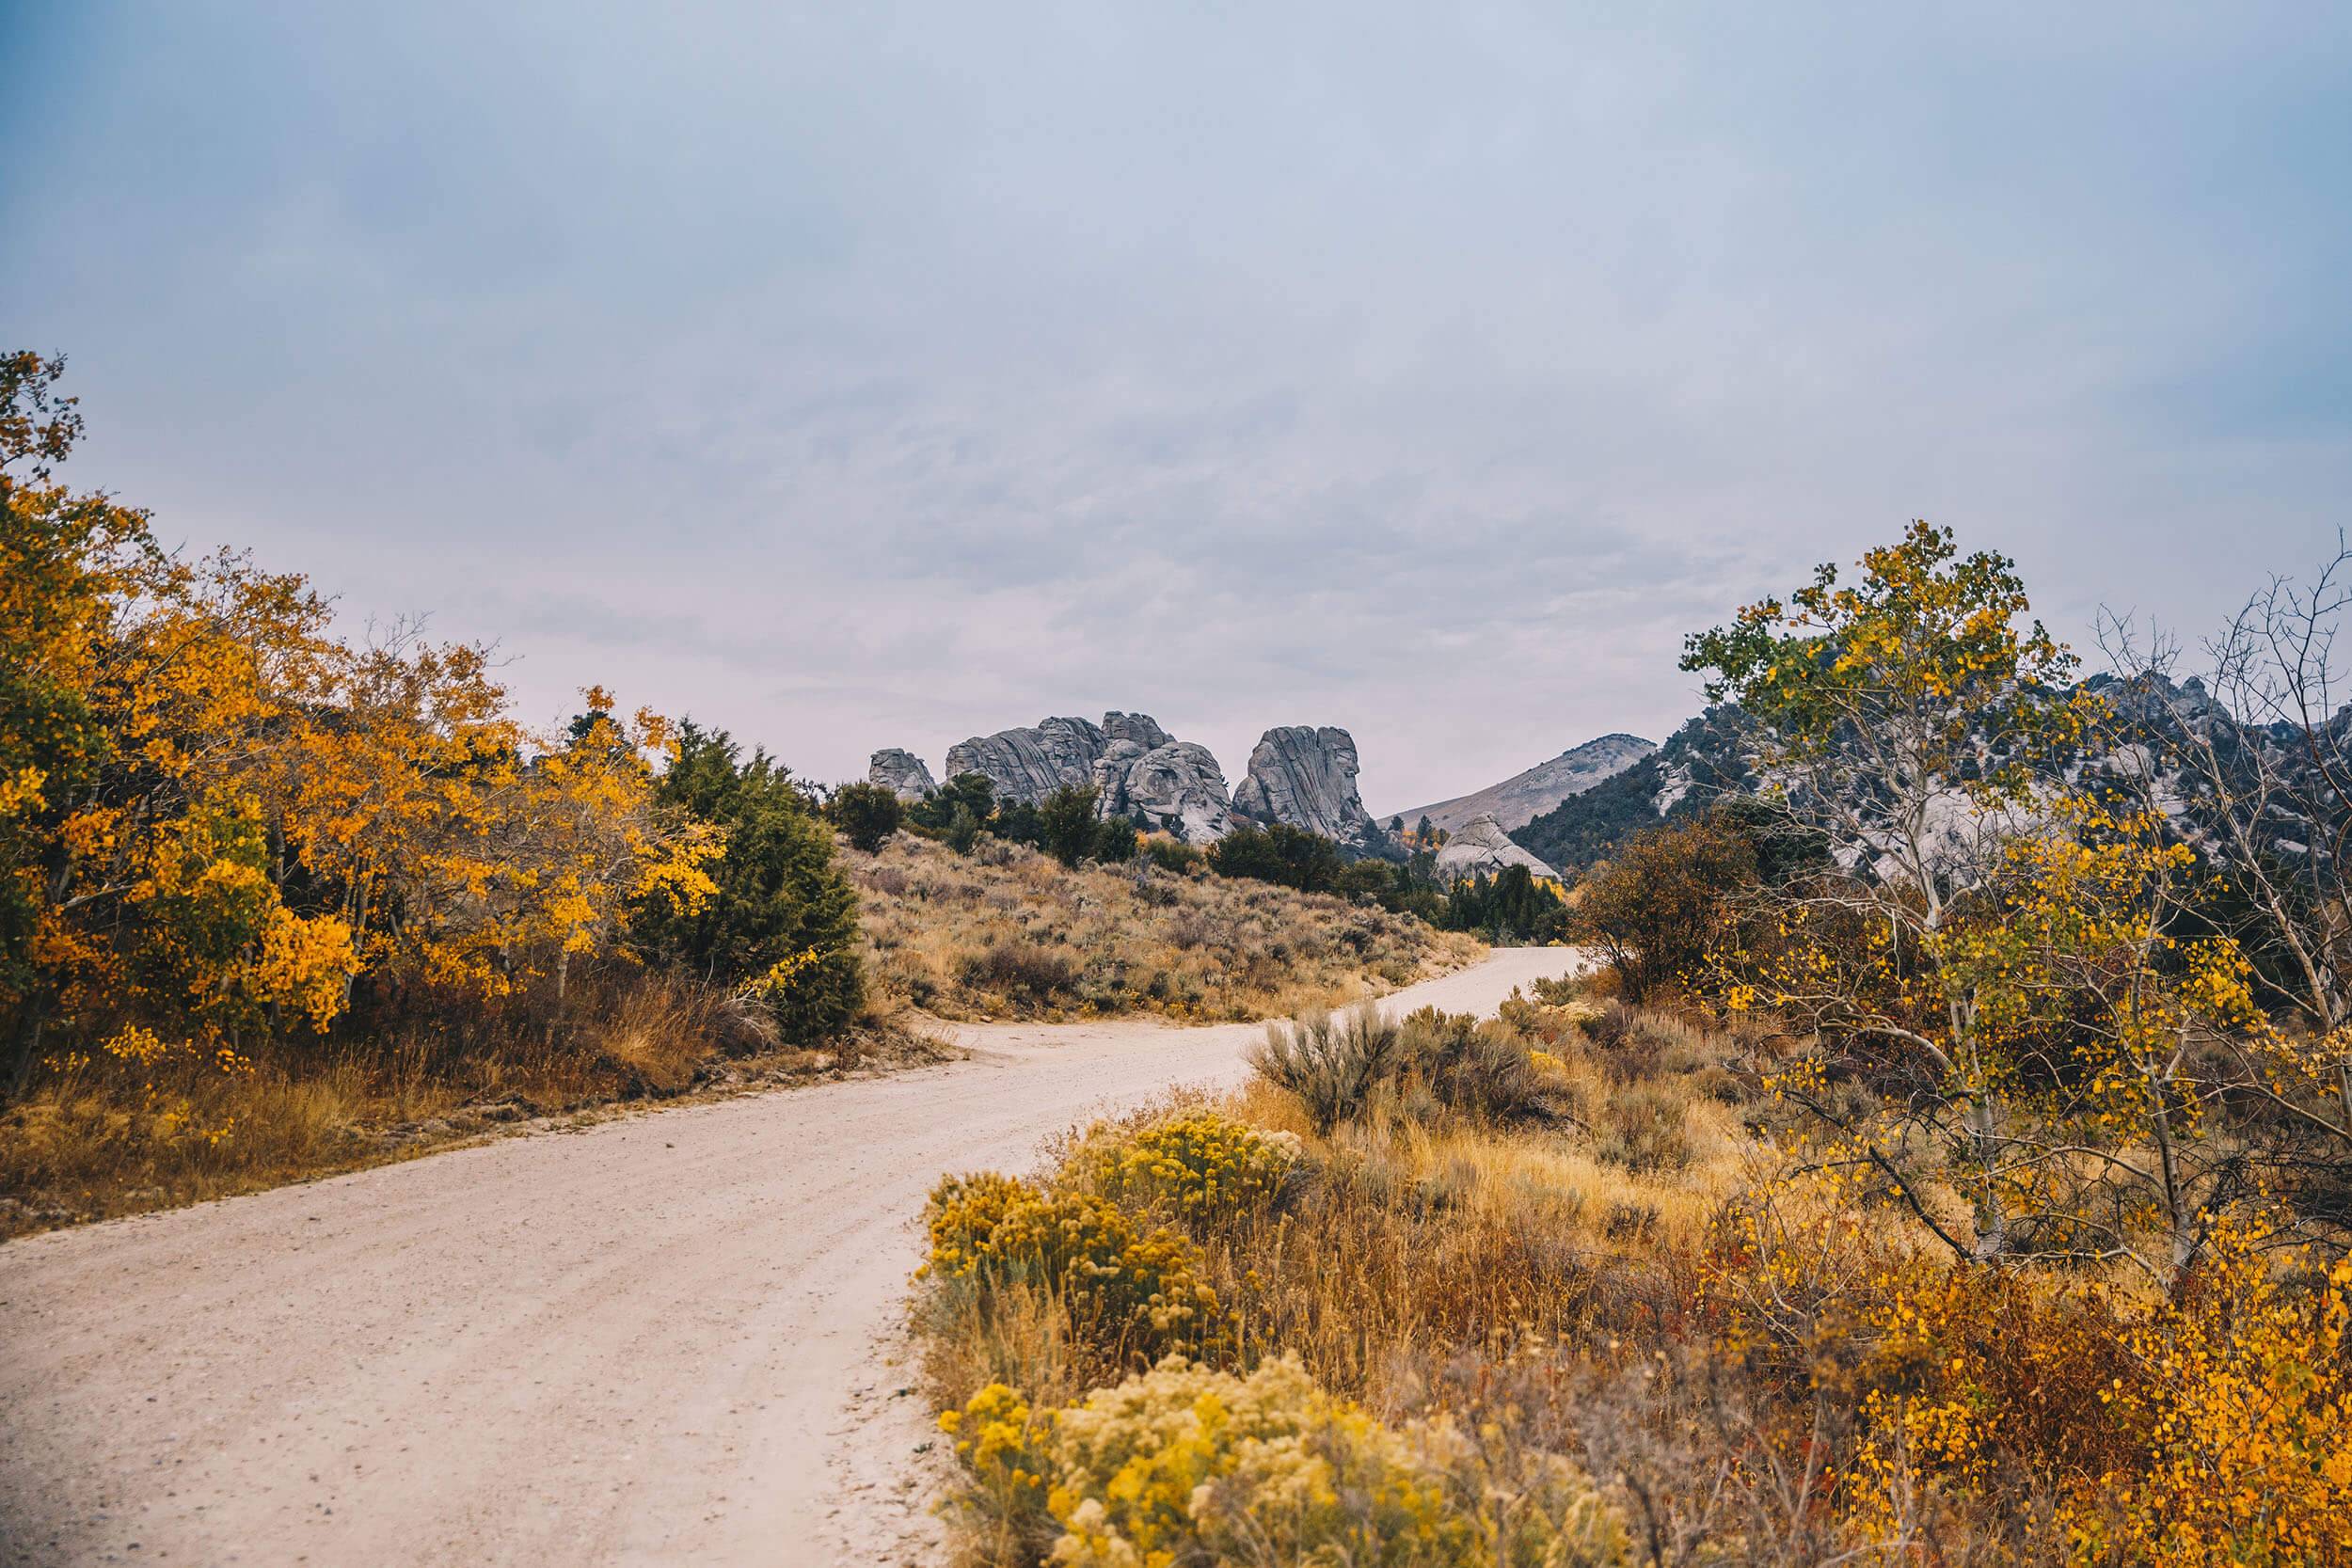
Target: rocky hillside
x=1523, y=797
x=2155, y=718
x=1299, y=775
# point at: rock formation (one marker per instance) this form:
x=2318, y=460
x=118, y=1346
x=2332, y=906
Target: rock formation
x=1029, y=765
x=901, y=772
x=1306, y=778
x=1142, y=771
x=1301, y=776
x=1176, y=787
x=1524, y=797
x=1481, y=846
x=1140, y=728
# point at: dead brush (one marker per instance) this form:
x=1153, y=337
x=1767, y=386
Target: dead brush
x=661, y=1029
x=1025, y=970
x=1331, y=1063
x=1187, y=929
x=1484, y=1070
x=1642, y=1129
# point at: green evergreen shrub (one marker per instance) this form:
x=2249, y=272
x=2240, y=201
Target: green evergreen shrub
x=866, y=813
x=1279, y=853
x=784, y=922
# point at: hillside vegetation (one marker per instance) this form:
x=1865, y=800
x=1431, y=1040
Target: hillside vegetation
x=1006, y=930
x=1971, y=1187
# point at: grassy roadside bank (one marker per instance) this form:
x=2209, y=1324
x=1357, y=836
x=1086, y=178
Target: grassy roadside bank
x=74, y=1154
x=1558, y=1288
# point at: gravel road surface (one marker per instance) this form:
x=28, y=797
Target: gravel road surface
x=671, y=1338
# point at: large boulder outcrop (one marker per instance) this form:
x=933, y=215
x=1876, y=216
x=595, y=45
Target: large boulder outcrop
x=1141, y=770
x=1030, y=764
x=1481, y=847
x=1300, y=776
x=1175, y=786
x=1304, y=777
x=901, y=772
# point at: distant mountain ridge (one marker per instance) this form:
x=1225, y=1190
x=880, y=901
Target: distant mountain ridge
x=1523, y=797
x=1704, y=759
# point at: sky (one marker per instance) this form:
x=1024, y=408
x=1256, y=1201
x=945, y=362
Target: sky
x=862, y=375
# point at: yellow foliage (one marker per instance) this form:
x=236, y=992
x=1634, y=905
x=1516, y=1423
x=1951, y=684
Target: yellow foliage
x=229, y=747
x=2247, y=1386
x=1200, y=1162
x=1185, y=1464
x=1140, y=1291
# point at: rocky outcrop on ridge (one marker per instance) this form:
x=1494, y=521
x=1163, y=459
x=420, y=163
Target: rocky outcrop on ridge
x=1306, y=778
x=1522, y=798
x=1030, y=764
x=1481, y=847
x=1175, y=786
x=1299, y=775
x=901, y=772
x=1138, y=729
x=1142, y=772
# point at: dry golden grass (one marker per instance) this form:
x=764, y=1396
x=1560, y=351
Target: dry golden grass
x=1410, y=1232
x=1752, y=1358
x=1416, y=1237
x=1008, y=931
x=98, y=1139
x=1421, y=1259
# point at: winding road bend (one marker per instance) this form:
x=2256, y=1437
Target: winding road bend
x=666, y=1339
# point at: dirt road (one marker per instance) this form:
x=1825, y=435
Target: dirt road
x=668, y=1338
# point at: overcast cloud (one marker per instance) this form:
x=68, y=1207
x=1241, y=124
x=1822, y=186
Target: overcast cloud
x=855, y=375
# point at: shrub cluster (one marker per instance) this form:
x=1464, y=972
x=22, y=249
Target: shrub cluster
x=1747, y=1342
x=866, y=813
x=780, y=922
x=1187, y=1464
x=1067, y=824
x=1235, y=1450
x=1201, y=1163
x=1277, y=853
x=1135, y=1293
x=1351, y=1066
x=247, y=863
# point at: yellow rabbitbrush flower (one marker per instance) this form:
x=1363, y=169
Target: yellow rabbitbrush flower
x=1186, y=1464
x=1205, y=1164
x=1139, y=1293
x=1000, y=1443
